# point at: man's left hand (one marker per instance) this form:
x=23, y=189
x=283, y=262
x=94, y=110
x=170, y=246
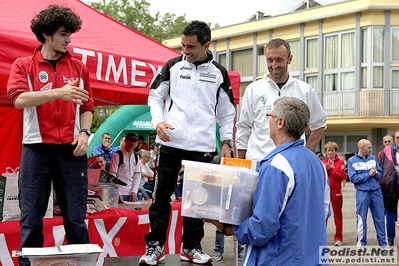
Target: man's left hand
x=82, y=143
x=225, y=151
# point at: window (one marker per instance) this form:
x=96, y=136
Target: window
x=222, y=59
x=339, y=62
x=395, y=79
x=351, y=144
x=294, y=66
x=378, y=45
x=312, y=81
x=395, y=44
x=348, y=81
x=348, y=50
x=242, y=62
x=262, y=67
x=331, y=52
x=337, y=139
x=312, y=53
x=346, y=143
x=331, y=82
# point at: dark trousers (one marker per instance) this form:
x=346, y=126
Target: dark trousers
x=41, y=164
x=168, y=166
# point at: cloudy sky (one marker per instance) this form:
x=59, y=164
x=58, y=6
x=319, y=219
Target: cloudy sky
x=225, y=12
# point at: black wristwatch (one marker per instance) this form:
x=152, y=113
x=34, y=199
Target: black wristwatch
x=228, y=142
x=86, y=131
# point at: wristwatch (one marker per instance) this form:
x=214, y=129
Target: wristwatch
x=228, y=142
x=86, y=131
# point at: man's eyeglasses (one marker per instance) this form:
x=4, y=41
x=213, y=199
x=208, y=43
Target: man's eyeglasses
x=387, y=141
x=270, y=116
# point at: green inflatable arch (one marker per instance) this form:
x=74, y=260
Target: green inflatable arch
x=130, y=118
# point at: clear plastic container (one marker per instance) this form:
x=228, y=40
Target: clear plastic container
x=217, y=192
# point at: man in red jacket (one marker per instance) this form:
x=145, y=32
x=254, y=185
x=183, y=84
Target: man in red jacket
x=336, y=173
x=53, y=89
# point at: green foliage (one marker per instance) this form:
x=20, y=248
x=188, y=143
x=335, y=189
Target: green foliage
x=101, y=114
x=136, y=15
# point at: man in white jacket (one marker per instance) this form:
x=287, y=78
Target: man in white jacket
x=252, y=138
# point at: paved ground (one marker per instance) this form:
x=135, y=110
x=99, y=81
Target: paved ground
x=349, y=233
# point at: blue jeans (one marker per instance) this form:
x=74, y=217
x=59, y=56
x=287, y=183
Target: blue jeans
x=219, y=243
x=142, y=194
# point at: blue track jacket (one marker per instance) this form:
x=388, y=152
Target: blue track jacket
x=291, y=204
x=359, y=169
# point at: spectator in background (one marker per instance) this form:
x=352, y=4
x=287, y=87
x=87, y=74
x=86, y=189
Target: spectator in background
x=105, y=149
x=364, y=172
x=121, y=144
x=142, y=145
x=320, y=155
x=336, y=173
x=58, y=111
x=291, y=199
x=100, y=162
x=343, y=158
x=389, y=182
x=179, y=184
x=154, y=151
x=126, y=166
x=147, y=175
x=387, y=140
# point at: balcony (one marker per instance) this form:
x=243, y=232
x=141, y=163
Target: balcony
x=364, y=103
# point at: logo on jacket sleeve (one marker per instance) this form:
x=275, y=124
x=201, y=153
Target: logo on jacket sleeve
x=43, y=76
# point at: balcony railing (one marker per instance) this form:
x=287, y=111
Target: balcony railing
x=361, y=103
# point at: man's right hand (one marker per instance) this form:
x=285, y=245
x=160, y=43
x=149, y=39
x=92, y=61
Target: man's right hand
x=162, y=133
x=70, y=92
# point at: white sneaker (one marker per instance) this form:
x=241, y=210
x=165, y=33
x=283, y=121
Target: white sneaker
x=153, y=254
x=338, y=244
x=195, y=255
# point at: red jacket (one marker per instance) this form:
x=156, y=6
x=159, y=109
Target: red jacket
x=57, y=121
x=337, y=173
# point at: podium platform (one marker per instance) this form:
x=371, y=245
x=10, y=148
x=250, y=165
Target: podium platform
x=171, y=260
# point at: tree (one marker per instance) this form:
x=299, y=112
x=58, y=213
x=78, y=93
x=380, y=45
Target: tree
x=136, y=15
x=101, y=114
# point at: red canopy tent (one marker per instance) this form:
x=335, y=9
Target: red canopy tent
x=121, y=61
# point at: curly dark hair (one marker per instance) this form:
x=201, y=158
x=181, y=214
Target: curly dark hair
x=52, y=18
x=200, y=29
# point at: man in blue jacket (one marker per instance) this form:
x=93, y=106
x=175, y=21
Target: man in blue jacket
x=364, y=172
x=291, y=199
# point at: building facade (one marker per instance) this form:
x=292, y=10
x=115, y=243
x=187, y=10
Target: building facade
x=348, y=52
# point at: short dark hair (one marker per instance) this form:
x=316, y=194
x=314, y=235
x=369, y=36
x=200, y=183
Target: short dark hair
x=200, y=29
x=52, y=18
x=275, y=43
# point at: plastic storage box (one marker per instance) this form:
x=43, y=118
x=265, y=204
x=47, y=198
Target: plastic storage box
x=108, y=192
x=217, y=192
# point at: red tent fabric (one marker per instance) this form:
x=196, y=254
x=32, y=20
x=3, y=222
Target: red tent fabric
x=121, y=61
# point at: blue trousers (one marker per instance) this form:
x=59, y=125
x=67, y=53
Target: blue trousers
x=370, y=199
x=41, y=164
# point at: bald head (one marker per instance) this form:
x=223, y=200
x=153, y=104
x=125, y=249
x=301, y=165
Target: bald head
x=364, y=147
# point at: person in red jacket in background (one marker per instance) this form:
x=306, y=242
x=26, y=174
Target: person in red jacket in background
x=336, y=173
